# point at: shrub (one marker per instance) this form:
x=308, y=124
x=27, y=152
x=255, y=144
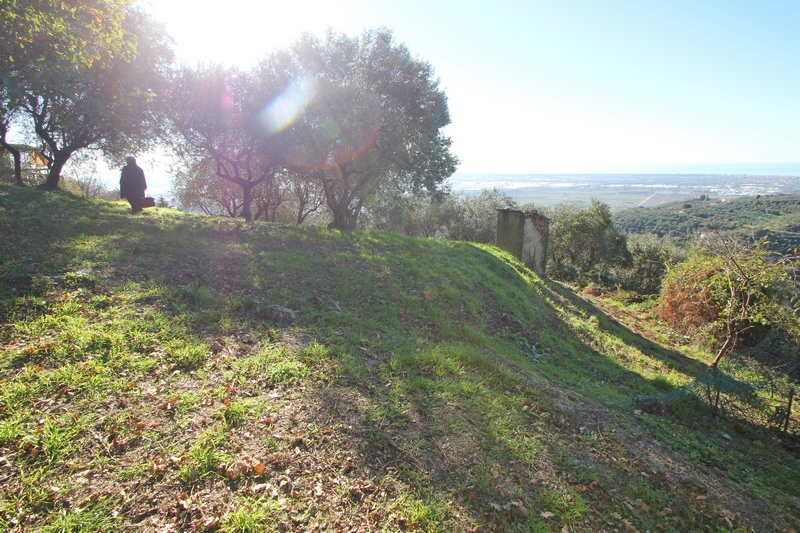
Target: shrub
x=583, y=243
x=729, y=289
x=652, y=256
x=686, y=303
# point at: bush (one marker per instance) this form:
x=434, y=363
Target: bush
x=583, y=243
x=687, y=304
x=652, y=256
x=729, y=290
x=476, y=216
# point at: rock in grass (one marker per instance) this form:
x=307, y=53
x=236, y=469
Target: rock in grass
x=278, y=313
x=693, y=484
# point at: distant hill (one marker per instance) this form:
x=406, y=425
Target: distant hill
x=775, y=216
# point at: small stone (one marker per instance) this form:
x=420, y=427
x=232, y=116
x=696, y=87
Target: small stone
x=694, y=485
x=333, y=306
x=795, y=502
x=279, y=313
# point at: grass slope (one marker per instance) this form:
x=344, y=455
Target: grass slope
x=147, y=383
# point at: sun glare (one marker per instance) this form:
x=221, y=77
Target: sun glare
x=284, y=109
x=241, y=32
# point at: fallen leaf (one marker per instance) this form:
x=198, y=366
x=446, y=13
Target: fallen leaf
x=211, y=523
x=547, y=515
x=183, y=501
x=516, y=507
x=629, y=526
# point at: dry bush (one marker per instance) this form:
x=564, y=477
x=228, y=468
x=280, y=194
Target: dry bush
x=687, y=304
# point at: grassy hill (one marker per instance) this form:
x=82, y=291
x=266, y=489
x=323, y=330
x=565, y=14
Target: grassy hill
x=149, y=383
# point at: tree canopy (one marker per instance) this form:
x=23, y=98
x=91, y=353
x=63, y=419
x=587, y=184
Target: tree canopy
x=583, y=240
x=345, y=116
x=82, y=75
x=215, y=116
x=377, y=115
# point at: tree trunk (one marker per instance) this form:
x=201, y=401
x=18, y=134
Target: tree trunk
x=17, y=162
x=14, y=153
x=247, y=200
x=54, y=174
x=341, y=220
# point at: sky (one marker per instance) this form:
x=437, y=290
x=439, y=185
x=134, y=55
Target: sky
x=566, y=86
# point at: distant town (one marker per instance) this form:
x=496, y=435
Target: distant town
x=622, y=191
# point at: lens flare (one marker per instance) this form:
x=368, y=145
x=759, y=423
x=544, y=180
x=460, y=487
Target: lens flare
x=284, y=109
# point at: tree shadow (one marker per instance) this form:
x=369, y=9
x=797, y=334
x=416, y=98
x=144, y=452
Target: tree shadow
x=677, y=360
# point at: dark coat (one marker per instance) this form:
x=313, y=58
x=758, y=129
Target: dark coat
x=131, y=182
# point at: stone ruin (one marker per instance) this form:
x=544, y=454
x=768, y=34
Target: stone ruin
x=524, y=234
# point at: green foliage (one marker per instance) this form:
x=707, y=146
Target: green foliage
x=584, y=243
x=341, y=119
x=213, y=114
x=651, y=258
x=775, y=217
x=475, y=218
x=82, y=75
x=418, y=215
x=375, y=118
x=470, y=218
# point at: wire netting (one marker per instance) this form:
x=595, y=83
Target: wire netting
x=759, y=385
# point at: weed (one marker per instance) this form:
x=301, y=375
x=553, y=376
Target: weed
x=97, y=515
x=250, y=516
x=188, y=356
x=206, y=455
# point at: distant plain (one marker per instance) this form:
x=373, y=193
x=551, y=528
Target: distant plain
x=622, y=191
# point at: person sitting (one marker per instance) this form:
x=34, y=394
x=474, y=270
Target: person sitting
x=132, y=184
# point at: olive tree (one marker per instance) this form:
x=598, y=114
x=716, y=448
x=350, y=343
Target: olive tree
x=376, y=115
x=583, y=241
x=475, y=217
x=198, y=189
x=216, y=122
x=82, y=75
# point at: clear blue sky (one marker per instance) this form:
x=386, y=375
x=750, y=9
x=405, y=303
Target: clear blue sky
x=561, y=86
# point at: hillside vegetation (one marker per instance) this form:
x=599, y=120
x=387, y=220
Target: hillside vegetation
x=149, y=382
x=775, y=216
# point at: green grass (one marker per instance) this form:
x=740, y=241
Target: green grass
x=143, y=385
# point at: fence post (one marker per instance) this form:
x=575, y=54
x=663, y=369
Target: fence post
x=788, y=412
